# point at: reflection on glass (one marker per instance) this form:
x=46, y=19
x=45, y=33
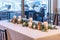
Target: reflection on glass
x=36, y=7
x=10, y=4
x=10, y=8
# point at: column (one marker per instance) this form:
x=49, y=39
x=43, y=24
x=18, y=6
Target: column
x=22, y=8
x=55, y=11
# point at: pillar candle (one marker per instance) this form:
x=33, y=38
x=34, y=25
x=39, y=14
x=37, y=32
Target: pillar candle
x=19, y=18
x=30, y=24
x=46, y=25
x=30, y=19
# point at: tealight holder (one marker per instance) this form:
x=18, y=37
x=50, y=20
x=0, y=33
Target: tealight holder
x=23, y=24
x=19, y=19
x=34, y=26
x=14, y=19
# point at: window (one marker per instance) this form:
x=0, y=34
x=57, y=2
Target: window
x=38, y=7
x=11, y=5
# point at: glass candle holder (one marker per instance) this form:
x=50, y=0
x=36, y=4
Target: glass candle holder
x=18, y=21
x=39, y=25
x=23, y=24
x=34, y=26
x=14, y=19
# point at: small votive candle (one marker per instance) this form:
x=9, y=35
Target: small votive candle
x=46, y=25
x=23, y=23
x=30, y=19
x=34, y=26
x=30, y=24
x=19, y=21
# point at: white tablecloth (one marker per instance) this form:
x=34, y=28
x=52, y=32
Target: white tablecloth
x=18, y=32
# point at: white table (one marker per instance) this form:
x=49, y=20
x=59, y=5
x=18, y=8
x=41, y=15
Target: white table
x=18, y=32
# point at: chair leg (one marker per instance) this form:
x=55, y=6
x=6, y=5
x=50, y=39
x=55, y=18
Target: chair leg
x=6, y=34
x=1, y=35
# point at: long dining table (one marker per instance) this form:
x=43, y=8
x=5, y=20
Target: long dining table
x=18, y=32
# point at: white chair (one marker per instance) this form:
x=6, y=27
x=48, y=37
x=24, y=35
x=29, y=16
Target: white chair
x=3, y=34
